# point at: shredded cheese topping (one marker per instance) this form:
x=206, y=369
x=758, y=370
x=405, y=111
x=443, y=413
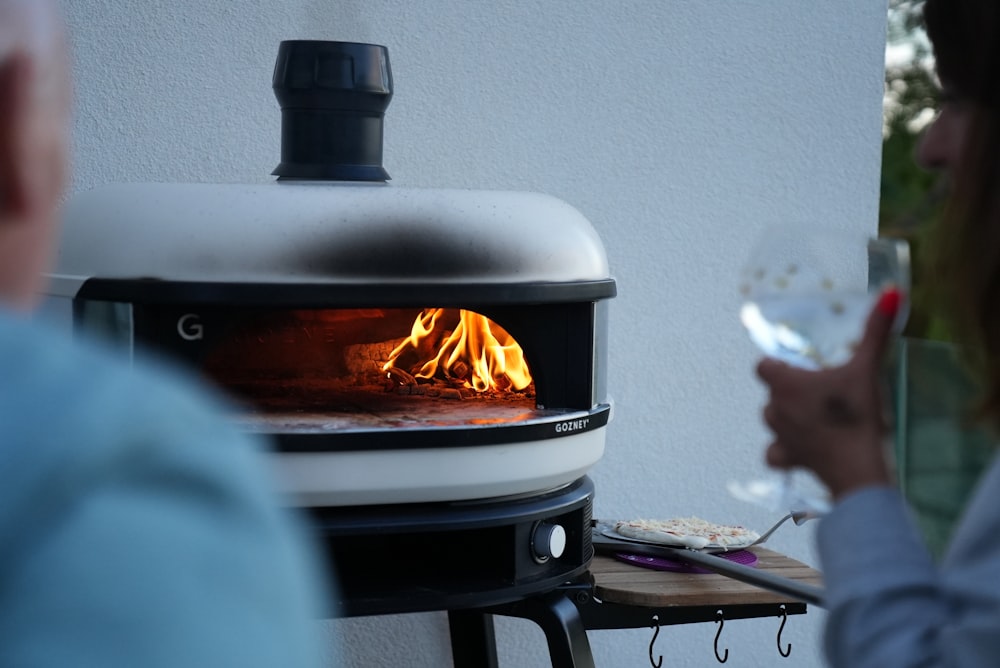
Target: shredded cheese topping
x=688, y=532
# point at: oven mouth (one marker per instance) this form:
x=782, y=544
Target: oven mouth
x=380, y=378
x=365, y=367
x=354, y=378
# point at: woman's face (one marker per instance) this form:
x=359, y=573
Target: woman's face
x=942, y=142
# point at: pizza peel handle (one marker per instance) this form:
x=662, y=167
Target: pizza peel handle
x=802, y=592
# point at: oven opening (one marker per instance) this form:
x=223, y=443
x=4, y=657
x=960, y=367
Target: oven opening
x=361, y=368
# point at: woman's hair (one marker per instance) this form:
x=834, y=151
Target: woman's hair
x=964, y=33
x=965, y=264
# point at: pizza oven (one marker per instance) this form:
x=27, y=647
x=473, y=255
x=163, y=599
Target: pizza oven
x=429, y=364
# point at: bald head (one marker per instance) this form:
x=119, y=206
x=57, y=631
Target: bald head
x=34, y=143
x=33, y=30
x=27, y=21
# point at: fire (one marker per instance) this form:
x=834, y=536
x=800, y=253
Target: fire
x=477, y=352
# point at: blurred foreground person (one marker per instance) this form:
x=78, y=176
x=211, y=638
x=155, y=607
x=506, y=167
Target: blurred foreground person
x=889, y=603
x=136, y=528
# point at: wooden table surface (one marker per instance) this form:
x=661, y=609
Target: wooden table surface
x=619, y=582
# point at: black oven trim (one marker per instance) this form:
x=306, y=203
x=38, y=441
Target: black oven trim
x=573, y=422
x=341, y=294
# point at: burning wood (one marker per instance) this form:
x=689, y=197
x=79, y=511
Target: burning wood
x=399, y=376
x=475, y=353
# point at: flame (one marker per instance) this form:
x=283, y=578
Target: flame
x=477, y=352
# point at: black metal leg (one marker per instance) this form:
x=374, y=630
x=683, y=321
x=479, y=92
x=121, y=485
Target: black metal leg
x=473, y=639
x=564, y=631
x=560, y=621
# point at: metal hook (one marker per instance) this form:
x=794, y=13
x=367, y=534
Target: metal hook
x=720, y=620
x=656, y=631
x=784, y=618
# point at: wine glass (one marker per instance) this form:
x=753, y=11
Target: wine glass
x=807, y=294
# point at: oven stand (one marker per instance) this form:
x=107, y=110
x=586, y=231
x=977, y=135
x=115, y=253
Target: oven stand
x=473, y=639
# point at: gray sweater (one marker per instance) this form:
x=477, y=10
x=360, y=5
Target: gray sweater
x=890, y=604
x=137, y=529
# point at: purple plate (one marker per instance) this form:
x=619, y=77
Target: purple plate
x=744, y=557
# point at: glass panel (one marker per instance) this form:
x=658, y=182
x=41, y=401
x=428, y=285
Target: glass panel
x=940, y=452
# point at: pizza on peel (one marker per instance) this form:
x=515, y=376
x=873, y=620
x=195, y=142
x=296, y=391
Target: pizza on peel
x=690, y=532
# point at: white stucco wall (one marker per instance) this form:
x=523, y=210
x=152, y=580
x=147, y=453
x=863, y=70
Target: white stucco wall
x=679, y=128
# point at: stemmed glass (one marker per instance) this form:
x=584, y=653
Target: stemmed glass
x=807, y=294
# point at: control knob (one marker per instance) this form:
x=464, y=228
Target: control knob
x=548, y=541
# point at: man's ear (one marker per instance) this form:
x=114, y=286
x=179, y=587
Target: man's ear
x=16, y=187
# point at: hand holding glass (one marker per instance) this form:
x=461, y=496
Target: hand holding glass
x=807, y=294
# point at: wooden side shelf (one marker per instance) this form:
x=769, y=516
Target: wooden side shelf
x=619, y=582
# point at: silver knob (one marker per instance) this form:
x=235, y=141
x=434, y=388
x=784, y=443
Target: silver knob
x=548, y=542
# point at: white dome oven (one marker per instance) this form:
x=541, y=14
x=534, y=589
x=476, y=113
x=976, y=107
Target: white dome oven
x=430, y=364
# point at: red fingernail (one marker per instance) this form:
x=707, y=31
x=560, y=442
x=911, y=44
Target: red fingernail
x=888, y=303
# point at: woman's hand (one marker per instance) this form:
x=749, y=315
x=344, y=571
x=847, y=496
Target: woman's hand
x=833, y=421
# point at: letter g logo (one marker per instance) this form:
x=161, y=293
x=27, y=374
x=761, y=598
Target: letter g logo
x=189, y=327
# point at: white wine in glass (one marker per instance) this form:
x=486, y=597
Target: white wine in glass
x=807, y=294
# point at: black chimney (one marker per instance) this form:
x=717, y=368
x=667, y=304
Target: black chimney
x=333, y=97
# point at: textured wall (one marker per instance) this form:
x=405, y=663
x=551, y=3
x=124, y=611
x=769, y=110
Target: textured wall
x=678, y=128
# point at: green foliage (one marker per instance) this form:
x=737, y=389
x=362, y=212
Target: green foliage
x=905, y=24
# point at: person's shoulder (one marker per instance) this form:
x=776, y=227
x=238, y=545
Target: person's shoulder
x=126, y=478
x=95, y=412
x=37, y=359
x=70, y=375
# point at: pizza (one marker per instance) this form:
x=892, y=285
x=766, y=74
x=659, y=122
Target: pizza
x=692, y=532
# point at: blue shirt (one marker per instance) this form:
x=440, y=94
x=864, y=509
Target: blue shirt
x=890, y=604
x=137, y=528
